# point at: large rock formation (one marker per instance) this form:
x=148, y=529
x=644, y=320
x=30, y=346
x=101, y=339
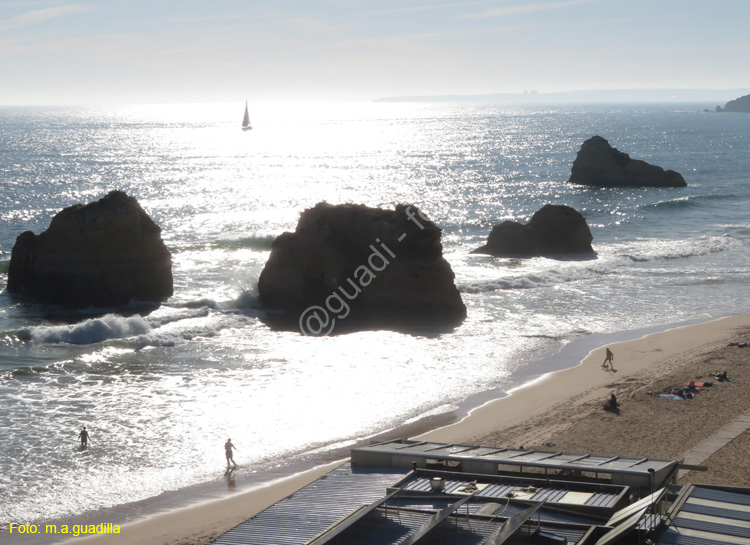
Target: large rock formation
x=102, y=254
x=353, y=267
x=741, y=104
x=600, y=165
x=554, y=231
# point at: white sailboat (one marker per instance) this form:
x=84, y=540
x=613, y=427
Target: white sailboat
x=246, y=120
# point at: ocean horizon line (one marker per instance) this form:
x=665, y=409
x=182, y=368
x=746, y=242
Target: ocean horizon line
x=654, y=95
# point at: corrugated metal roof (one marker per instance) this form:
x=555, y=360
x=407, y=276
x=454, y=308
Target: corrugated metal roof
x=504, y=509
x=312, y=509
x=726, y=497
x=535, y=458
x=436, y=520
x=382, y=527
x=710, y=515
x=691, y=537
x=315, y=508
x=420, y=523
x=698, y=506
x=553, y=491
x=705, y=515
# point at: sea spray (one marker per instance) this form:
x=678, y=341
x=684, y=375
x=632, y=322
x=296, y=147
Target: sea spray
x=91, y=331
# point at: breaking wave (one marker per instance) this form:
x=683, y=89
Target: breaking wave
x=533, y=280
x=165, y=327
x=247, y=299
x=91, y=331
x=682, y=249
x=682, y=203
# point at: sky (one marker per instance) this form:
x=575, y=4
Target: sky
x=156, y=51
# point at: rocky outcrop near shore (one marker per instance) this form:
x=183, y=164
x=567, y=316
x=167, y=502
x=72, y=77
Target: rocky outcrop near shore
x=348, y=267
x=554, y=231
x=600, y=165
x=741, y=104
x=103, y=254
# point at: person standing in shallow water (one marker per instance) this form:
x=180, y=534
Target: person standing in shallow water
x=228, y=446
x=84, y=437
x=608, y=360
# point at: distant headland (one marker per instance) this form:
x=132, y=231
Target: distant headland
x=584, y=96
x=741, y=104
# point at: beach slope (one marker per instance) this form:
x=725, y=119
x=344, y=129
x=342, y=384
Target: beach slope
x=559, y=411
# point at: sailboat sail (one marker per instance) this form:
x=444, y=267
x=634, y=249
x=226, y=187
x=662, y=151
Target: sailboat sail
x=246, y=120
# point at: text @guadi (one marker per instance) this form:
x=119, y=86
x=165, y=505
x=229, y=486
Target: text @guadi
x=319, y=320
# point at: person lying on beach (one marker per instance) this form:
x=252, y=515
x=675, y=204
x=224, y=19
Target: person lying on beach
x=684, y=393
x=228, y=446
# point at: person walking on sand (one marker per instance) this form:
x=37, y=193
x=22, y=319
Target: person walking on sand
x=228, y=446
x=84, y=437
x=608, y=360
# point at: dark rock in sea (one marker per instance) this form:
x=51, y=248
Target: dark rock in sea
x=350, y=267
x=103, y=254
x=741, y=104
x=554, y=231
x=600, y=165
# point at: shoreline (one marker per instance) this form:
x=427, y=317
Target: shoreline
x=588, y=381
x=501, y=420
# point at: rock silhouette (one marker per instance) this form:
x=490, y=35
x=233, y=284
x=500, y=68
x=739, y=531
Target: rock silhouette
x=103, y=254
x=741, y=104
x=600, y=165
x=554, y=231
x=364, y=267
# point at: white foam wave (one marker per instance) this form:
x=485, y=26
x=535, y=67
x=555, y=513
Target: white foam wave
x=246, y=300
x=206, y=326
x=165, y=327
x=653, y=250
x=537, y=279
x=167, y=315
x=91, y=331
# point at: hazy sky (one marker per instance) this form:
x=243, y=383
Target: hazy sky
x=116, y=51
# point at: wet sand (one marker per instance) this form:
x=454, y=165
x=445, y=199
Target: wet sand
x=560, y=411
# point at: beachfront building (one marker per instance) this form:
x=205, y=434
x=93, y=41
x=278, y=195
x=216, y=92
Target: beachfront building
x=638, y=472
x=427, y=497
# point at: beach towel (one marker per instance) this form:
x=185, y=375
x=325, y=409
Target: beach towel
x=700, y=384
x=669, y=396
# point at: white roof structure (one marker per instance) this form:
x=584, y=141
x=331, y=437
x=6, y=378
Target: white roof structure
x=640, y=472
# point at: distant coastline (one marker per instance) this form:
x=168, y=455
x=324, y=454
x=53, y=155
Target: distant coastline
x=741, y=104
x=585, y=96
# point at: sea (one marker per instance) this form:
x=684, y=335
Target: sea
x=160, y=391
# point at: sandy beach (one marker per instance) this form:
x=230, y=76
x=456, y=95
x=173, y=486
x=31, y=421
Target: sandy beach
x=560, y=411
x=564, y=410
